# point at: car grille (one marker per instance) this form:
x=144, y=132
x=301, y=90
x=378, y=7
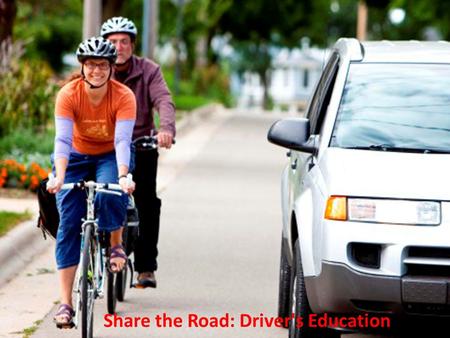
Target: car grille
x=426, y=261
x=426, y=284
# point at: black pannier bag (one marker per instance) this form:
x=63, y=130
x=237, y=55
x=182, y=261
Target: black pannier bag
x=48, y=219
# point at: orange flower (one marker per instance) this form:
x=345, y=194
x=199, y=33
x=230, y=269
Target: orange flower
x=42, y=173
x=34, y=182
x=9, y=162
x=34, y=166
x=23, y=178
x=4, y=173
x=2, y=182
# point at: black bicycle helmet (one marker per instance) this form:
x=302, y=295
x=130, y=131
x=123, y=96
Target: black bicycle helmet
x=118, y=24
x=98, y=48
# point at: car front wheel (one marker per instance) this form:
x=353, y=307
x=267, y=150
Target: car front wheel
x=299, y=301
x=284, y=287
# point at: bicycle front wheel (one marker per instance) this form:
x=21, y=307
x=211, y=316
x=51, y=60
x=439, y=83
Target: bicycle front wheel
x=88, y=283
x=121, y=279
x=111, y=292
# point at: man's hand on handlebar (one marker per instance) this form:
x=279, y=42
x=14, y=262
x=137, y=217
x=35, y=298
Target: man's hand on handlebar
x=165, y=139
x=54, y=184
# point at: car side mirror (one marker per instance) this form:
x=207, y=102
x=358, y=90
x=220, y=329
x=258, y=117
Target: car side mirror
x=292, y=133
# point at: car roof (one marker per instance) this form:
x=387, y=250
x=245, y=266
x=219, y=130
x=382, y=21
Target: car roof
x=394, y=51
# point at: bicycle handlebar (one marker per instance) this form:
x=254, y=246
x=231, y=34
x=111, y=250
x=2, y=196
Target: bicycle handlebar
x=148, y=142
x=109, y=188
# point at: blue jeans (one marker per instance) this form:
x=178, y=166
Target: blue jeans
x=110, y=209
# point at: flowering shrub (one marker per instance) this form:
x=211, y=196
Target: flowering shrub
x=27, y=91
x=16, y=175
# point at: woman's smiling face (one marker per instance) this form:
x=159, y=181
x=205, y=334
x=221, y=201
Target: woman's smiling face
x=97, y=71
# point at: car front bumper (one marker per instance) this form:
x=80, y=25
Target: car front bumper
x=340, y=289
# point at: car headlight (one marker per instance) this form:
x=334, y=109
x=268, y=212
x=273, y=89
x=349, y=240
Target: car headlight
x=384, y=210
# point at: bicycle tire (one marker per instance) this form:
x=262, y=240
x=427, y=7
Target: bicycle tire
x=111, y=293
x=121, y=284
x=121, y=279
x=87, y=284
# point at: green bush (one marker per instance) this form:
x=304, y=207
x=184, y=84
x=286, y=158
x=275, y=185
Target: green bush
x=27, y=97
x=213, y=83
x=25, y=143
x=188, y=102
x=199, y=87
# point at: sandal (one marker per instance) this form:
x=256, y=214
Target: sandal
x=65, y=314
x=117, y=252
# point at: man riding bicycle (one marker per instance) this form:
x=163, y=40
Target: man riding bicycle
x=94, y=120
x=145, y=79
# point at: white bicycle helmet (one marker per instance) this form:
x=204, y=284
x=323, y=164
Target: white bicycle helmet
x=98, y=48
x=118, y=24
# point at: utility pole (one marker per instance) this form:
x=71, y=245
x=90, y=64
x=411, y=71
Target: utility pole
x=92, y=16
x=361, y=26
x=150, y=28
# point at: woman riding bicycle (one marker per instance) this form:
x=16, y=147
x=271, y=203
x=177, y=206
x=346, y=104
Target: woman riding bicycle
x=94, y=120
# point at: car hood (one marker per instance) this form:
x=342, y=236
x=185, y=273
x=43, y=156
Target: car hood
x=370, y=173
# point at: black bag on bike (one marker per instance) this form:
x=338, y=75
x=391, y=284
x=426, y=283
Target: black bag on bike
x=48, y=219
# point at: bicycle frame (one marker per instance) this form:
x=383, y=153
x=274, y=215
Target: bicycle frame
x=98, y=252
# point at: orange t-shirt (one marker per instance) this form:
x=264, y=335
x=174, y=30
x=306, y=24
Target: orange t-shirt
x=94, y=126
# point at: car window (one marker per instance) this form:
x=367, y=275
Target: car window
x=322, y=95
x=395, y=106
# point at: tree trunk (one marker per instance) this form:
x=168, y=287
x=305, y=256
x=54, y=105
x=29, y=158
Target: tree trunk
x=265, y=82
x=201, y=51
x=111, y=8
x=8, y=11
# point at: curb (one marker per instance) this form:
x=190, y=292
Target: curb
x=22, y=244
x=18, y=247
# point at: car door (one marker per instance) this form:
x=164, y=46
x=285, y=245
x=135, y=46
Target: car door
x=307, y=195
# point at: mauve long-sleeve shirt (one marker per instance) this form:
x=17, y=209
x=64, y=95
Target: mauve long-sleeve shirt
x=145, y=79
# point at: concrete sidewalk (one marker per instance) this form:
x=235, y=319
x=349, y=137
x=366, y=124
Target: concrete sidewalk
x=28, y=260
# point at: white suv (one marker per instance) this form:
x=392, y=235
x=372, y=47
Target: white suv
x=366, y=195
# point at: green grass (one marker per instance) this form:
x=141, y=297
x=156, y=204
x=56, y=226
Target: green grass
x=28, y=332
x=9, y=220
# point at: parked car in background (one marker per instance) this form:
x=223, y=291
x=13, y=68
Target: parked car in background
x=366, y=192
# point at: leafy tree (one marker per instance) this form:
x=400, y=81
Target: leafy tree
x=201, y=19
x=8, y=10
x=112, y=8
x=423, y=14
x=255, y=26
x=48, y=33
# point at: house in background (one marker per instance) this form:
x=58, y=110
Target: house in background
x=292, y=79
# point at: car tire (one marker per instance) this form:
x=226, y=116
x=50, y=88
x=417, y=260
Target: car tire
x=284, y=287
x=298, y=299
x=300, y=305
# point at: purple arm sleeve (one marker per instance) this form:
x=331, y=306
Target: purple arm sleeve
x=63, y=137
x=122, y=141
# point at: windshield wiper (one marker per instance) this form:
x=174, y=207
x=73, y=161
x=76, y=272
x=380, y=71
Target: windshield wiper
x=387, y=147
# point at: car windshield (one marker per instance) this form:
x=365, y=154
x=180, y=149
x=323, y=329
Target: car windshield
x=403, y=107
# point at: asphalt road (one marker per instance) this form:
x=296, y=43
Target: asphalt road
x=219, y=242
